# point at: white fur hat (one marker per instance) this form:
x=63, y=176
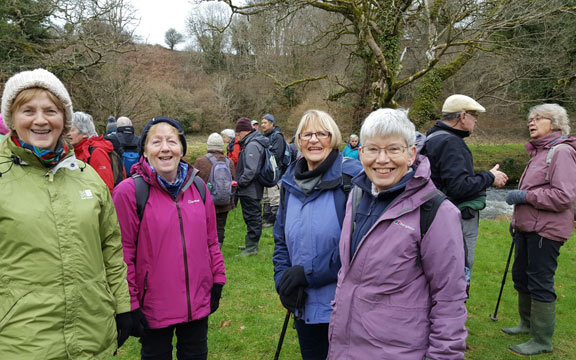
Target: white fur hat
x=457, y=103
x=38, y=78
x=215, y=142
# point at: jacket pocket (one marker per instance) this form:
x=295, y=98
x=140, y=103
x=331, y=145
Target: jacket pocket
x=395, y=326
x=8, y=304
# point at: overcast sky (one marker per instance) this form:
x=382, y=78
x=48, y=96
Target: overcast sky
x=158, y=16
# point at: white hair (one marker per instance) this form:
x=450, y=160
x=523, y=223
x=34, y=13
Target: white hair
x=123, y=121
x=84, y=123
x=385, y=122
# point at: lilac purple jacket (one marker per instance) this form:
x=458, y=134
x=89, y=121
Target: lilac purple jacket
x=390, y=305
x=548, y=210
x=173, y=256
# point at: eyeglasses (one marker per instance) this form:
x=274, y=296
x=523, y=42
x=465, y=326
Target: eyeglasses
x=473, y=114
x=320, y=135
x=537, y=119
x=391, y=151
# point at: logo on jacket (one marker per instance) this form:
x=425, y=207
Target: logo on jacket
x=86, y=194
x=398, y=222
x=193, y=201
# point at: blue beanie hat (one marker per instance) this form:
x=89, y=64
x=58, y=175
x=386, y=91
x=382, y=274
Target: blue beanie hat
x=169, y=121
x=268, y=117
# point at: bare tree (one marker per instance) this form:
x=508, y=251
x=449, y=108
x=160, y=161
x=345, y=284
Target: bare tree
x=173, y=38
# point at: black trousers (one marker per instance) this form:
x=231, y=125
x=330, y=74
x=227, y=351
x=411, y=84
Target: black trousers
x=313, y=339
x=221, y=225
x=192, y=341
x=252, y=213
x=535, y=263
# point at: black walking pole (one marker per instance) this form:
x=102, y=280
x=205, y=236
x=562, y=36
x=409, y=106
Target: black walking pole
x=281, y=340
x=494, y=317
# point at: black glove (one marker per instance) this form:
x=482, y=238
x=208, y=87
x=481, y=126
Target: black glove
x=291, y=280
x=123, y=327
x=215, y=297
x=295, y=300
x=516, y=197
x=139, y=323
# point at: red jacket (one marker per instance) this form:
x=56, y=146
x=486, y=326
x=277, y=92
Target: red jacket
x=235, y=153
x=99, y=160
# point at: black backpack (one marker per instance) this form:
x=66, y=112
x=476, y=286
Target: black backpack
x=143, y=192
x=270, y=173
x=116, y=163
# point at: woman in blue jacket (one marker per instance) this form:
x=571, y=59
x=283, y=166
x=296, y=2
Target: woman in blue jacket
x=306, y=257
x=351, y=149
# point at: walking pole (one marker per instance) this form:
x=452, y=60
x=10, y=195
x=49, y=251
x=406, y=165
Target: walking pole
x=494, y=317
x=281, y=340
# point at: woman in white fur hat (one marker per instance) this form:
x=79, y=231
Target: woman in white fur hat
x=63, y=289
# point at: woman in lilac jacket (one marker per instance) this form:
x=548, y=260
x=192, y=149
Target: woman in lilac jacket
x=542, y=222
x=399, y=295
x=175, y=267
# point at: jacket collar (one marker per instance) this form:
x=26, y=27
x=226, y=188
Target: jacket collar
x=545, y=142
x=331, y=179
x=441, y=125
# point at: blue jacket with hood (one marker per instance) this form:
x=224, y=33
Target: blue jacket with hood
x=307, y=233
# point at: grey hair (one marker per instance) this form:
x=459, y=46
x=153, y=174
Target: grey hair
x=353, y=136
x=554, y=112
x=452, y=116
x=229, y=133
x=385, y=122
x=84, y=123
x=321, y=119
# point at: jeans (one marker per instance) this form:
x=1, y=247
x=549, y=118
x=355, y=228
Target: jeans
x=313, y=339
x=192, y=341
x=535, y=263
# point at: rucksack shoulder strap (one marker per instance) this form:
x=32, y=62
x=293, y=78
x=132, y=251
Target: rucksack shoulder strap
x=356, y=194
x=428, y=212
x=200, y=186
x=439, y=132
x=142, y=193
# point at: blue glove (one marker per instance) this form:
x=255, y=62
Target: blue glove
x=516, y=197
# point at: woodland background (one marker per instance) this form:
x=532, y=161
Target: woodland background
x=348, y=57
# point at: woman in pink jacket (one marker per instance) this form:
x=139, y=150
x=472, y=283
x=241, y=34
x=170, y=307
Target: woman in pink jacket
x=541, y=223
x=175, y=267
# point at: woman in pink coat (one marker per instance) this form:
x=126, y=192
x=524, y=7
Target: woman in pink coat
x=175, y=267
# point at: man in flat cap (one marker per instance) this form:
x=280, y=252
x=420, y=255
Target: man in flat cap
x=452, y=166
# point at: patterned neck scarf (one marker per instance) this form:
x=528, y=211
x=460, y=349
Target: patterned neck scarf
x=48, y=157
x=174, y=188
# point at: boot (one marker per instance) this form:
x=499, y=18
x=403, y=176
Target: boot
x=251, y=249
x=524, y=304
x=541, y=330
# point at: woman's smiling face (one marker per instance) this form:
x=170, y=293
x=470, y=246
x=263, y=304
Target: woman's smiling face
x=163, y=150
x=386, y=159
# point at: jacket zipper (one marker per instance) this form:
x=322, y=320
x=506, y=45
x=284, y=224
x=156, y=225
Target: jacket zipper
x=185, y=261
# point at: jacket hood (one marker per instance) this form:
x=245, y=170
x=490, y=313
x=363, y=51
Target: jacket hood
x=94, y=141
x=125, y=130
x=255, y=136
x=547, y=141
x=441, y=125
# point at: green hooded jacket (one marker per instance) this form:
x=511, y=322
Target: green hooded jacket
x=62, y=272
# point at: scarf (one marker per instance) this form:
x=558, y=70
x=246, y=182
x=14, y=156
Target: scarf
x=48, y=157
x=307, y=180
x=173, y=188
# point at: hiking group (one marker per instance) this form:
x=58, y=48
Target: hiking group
x=106, y=237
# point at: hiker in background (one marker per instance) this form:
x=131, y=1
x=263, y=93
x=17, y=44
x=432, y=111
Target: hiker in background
x=91, y=148
x=175, y=267
x=351, y=148
x=63, y=289
x=271, y=195
x=254, y=124
x=401, y=289
x=232, y=145
x=452, y=166
x=307, y=231
x=220, y=182
x=541, y=223
x=249, y=189
x=111, y=125
x=126, y=143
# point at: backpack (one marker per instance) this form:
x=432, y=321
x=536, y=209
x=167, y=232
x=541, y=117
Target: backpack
x=549, y=156
x=143, y=192
x=127, y=149
x=116, y=162
x=286, y=159
x=428, y=212
x=270, y=173
x=220, y=181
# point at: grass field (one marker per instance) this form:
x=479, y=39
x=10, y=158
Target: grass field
x=249, y=321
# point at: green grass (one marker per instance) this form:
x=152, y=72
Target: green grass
x=249, y=321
